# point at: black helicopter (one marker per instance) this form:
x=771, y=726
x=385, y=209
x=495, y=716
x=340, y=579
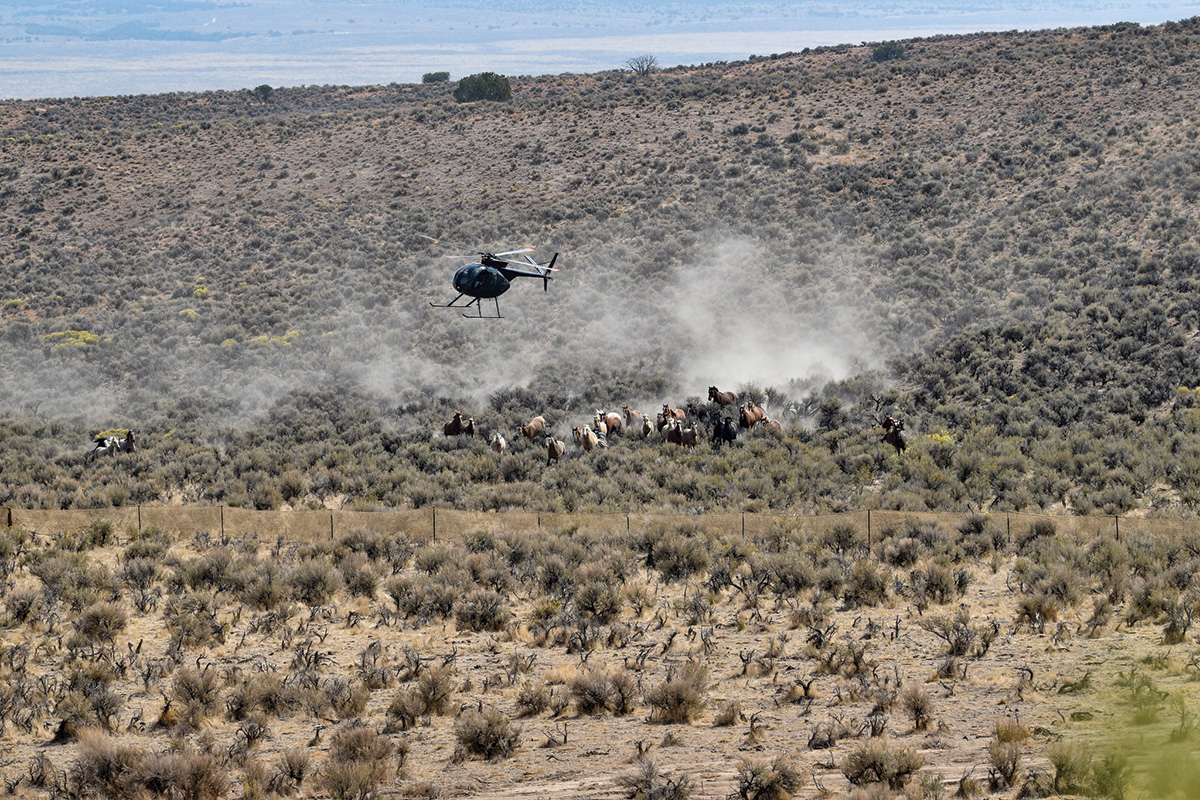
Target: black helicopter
x=491, y=276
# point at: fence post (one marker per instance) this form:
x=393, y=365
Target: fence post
x=1117, y=523
x=868, y=532
x=434, y=510
x=331, y=524
x=222, y=521
x=139, y=517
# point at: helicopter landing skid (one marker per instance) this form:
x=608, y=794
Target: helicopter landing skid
x=477, y=302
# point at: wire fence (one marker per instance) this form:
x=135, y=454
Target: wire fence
x=437, y=523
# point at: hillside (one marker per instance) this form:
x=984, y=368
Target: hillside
x=993, y=238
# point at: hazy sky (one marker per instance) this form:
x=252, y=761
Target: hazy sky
x=61, y=48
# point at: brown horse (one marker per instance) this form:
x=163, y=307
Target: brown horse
x=535, y=426
x=750, y=415
x=721, y=398
x=673, y=413
x=554, y=449
x=893, y=434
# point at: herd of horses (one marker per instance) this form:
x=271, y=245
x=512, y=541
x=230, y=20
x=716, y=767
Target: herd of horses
x=677, y=426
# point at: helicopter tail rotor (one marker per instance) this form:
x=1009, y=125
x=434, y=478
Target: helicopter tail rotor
x=546, y=276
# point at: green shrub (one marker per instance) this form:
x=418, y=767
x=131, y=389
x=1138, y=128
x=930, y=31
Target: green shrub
x=483, y=86
x=435, y=77
x=888, y=51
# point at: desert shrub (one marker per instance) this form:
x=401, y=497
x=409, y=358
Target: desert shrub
x=151, y=542
x=76, y=714
x=647, y=782
x=104, y=768
x=434, y=689
x=139, y=573
x=758, y=780
x=483, y=86
x=729, y=714
x=23, y=603
x=867, y=584
x=212, y=570
x=435, y=77
x=532, y=699
x=363, y=745
x=877, y=762
x=1072, y=764
x=845, y=540
x=266, y=588
x=72, y=579
x=347, y=698
x=257, y=693
x=482, y=610
x=198, y=691
x=358, y=576
x=592, y=691
x=314, y=582
x=101, y=623
x=919, y=706
x=98, y=533
x=939, y=583
x=677, y=557
x=1110, y=776
x=600, y=600
x=682, y=696
x=191, y=619
x=13, y=545
x=294, y=766
x=1004, y=762
x=487, y=734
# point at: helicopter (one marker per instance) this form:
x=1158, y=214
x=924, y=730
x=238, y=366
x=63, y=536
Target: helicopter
x=491, y=276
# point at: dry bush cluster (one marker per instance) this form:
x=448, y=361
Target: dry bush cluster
x=804, y=661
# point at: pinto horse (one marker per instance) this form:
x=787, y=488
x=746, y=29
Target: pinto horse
x=111, y=444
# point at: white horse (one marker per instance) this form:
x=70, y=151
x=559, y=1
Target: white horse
x=111, y=445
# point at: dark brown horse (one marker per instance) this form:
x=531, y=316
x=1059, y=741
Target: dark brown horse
x=893, y=434
x=721, y=398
